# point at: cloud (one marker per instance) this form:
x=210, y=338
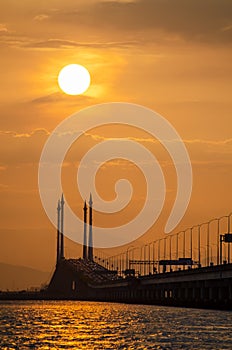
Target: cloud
x=40, y=131
x=225, y=29
x=206, y=143
x=3, y=28
x=66, y=44
x=25, y=148
x=198, y=20
x=59, y=97
x=18, y=41
x=137, y=22
x=21, y=148
x=51, y=98
x=41, y=17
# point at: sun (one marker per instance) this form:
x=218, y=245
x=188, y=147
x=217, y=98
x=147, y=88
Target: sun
x=74, y=79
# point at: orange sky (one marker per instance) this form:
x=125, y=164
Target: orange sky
x=172, y=56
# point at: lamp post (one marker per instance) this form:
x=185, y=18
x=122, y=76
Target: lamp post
x=177, y=245
x=159, y=255
x=219, y=240
x=165, y=247
x=153, y=254
x=183, y=244
x=170, y=250
x=149, y=257
x=153, y=251
x=127, y=255
x=191, y=241
x=208, y=231
x=184, y=247
x=204, y=251
x=190, y=229
x=170, y=247
x=199, y=241
x=145, y=259
x=141, y=258
x=120, y=264
x=199, y=245
x=229, y=217
x=124, y=261
x=207, y=245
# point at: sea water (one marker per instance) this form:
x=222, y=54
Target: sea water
x=92, y=325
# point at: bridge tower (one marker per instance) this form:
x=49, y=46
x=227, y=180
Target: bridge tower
x=90, y=247
x=85, y=232
x=62, y=228
x=58, y=233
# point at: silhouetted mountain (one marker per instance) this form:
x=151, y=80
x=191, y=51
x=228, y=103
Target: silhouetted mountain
x=21, y=277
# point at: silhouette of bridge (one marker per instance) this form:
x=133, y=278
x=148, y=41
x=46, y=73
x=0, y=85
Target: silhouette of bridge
x=201, y=245
x=187, y=268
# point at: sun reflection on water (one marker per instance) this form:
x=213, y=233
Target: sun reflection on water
x=89, y=325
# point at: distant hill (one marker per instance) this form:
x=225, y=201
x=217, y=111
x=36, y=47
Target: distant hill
x=21, y=277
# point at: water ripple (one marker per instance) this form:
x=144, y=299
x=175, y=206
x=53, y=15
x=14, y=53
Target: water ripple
x=89, y=325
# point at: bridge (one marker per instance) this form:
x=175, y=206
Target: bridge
x=187, y=268
x=201, y=245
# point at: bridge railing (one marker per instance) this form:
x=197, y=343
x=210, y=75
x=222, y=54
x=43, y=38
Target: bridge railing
x=206, y=244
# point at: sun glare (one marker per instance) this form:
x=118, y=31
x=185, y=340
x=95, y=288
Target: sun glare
x=74, y=79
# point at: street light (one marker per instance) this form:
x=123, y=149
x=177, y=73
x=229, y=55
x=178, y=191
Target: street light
x=153, y=250
x=183, y=244
x=153, y=254
x=219, y=236
x=199, y=246
x=145, y=259
x=208, y=239
x=141, y=258
x=177, y=244
x=127, y=252
x=190, y=229
x=191, y=241
x=149, y=257
x=204, y=249
x=120, y=263
x=199, y=241
x=229, y=216
x=159, y=254
x=208, y=226
x=165, y=247
x=170, y=247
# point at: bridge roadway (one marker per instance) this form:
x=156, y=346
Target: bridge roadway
x=75, y=279
x=199, y=287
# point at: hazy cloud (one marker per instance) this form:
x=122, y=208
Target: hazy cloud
x=41, y=17
x=3, y=28
x=65, y=44
x=59, y=97
x=26, y=148
x=149, y=21
x=18, y=148
x=200, y=20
